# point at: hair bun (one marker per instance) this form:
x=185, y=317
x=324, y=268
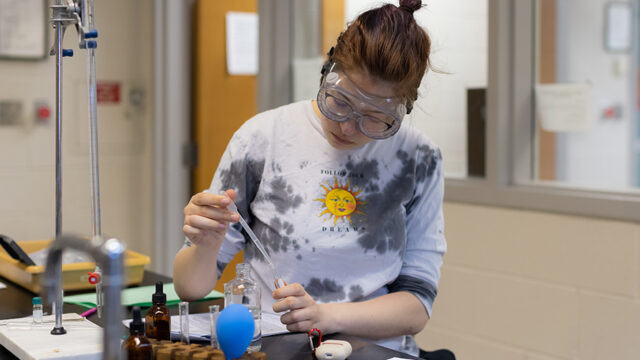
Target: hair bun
x=410, y=5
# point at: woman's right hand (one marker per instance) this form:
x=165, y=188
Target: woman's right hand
x=206, y=218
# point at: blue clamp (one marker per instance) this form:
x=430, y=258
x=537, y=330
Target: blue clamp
x=91, y=34
x=67, y=52
x=92, y=44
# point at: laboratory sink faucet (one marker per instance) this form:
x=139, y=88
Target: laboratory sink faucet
x=109, y=254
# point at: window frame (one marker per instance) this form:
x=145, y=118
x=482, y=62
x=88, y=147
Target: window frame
x=510, y=131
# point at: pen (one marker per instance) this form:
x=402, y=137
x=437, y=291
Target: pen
x=89, y=312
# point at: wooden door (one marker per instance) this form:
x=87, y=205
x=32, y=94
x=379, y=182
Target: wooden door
x=546, y=139
x=222, y=102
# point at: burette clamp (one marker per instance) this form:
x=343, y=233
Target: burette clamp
x=78, y=13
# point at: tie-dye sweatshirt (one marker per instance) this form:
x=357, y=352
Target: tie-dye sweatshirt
x=348, y=225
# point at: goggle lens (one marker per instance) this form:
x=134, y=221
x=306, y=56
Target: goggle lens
x=337, y=105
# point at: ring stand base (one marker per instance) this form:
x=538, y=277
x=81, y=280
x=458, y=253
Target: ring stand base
x=58, y=331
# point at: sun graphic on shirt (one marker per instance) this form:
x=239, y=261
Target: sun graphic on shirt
x=340, y=202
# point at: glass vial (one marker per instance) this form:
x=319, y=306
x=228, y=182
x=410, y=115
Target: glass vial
x=214, y=311
x=184, y=322
x=37, y=310
x=157, y=318
x=244, y=290
x=137, y=346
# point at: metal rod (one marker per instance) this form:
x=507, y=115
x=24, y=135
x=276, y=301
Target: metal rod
x=59, y=33
x=58, y=329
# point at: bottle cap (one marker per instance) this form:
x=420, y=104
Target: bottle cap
x=36, y=301
x=136, y=326
x=159, y=297
x=243, y=269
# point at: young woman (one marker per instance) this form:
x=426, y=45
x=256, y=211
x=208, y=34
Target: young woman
x=345, y=196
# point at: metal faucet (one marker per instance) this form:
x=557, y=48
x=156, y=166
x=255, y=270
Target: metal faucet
x=109, y=254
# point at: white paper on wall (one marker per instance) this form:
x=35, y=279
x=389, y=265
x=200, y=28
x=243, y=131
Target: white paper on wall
x=619, y=25
x=22, y=28
x=242, y=43
x=563, y=107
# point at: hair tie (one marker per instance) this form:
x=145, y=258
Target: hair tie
x=410, y=6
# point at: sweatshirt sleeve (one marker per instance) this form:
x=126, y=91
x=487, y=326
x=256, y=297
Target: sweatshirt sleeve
x=426, y=244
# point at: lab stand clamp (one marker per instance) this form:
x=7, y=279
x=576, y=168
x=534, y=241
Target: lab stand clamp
x=72, y=12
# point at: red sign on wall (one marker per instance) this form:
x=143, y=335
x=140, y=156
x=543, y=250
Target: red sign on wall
x=108, y=92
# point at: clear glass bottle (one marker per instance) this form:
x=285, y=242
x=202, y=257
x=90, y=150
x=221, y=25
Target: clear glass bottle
x=245, y=290
x=37, y=310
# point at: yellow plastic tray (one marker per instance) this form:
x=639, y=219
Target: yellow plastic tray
x=74, y=276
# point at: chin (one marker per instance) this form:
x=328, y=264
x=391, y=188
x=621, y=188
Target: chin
x=340, y=145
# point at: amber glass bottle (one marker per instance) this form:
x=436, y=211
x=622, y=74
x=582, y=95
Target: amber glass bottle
x=158, y=319
x=137, y=346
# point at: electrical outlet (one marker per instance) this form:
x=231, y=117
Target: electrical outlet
x=11, y=113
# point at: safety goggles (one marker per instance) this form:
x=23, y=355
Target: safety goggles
x=339, y=99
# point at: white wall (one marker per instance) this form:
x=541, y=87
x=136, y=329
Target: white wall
x=458, y=31
x=27, y=163
x=537, y=286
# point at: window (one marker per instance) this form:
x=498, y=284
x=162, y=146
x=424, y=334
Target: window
x=515, y=149
x=587, y=109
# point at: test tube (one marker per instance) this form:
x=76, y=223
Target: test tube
x=184, y=322
x=214, y=311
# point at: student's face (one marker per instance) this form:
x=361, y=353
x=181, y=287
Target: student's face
x=345, y=135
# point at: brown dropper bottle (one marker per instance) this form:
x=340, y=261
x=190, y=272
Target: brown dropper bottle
x=157, y=318
x=137, y=346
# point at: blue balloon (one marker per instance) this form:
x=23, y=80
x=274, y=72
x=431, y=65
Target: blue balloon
x=235, y=327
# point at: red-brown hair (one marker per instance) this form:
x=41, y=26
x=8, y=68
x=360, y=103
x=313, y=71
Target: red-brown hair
x=388, y=44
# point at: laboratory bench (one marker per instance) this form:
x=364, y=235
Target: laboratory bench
x=15, y=302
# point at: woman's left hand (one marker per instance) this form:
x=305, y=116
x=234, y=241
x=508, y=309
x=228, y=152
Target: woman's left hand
x=302, y=312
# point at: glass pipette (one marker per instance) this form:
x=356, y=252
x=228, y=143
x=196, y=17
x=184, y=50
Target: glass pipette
x=278, y=283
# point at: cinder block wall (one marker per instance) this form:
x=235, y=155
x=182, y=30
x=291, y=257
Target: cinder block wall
x=531, y=285
x=27, y=152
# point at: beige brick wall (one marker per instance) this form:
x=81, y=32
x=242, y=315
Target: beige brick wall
x=531, y=285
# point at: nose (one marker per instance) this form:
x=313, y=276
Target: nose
x=349, y=127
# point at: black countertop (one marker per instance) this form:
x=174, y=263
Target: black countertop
x=15, y=302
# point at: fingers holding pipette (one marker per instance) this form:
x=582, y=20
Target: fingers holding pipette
x=206, y=217
x=301, y=312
